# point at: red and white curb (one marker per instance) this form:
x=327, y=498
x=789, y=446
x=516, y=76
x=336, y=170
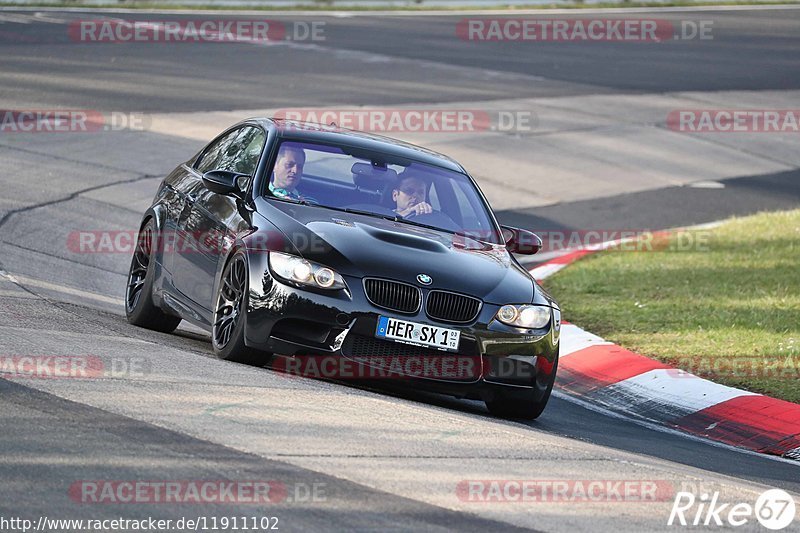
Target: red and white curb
x=605, y=374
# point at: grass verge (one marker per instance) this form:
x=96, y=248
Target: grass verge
x=722, y=303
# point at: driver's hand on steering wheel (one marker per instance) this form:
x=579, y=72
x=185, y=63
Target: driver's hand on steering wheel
x=422, y=208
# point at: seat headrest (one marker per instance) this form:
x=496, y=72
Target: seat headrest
x=367, y=176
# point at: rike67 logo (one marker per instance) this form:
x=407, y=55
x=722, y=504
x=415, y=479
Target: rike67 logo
x=774, y=509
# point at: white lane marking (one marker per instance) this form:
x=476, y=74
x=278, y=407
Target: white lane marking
x=574, y=338
x=25, y=280
x=591, y=406
x=59, y=333
x=9, y=277
x=672, y=388
x=15, y=19
x=25, y=18
x=707, y=184
x=43, y=17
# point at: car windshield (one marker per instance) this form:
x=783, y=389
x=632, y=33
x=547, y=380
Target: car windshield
x=381, y=185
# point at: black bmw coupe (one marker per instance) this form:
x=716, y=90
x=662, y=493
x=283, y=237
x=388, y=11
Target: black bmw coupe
x=288, y=240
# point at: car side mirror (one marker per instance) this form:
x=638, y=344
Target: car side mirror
x=521, y=241
x=225, y=182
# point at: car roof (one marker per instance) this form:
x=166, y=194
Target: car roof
x=323, y=134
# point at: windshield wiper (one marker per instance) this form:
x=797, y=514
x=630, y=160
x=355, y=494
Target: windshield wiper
x=395, y=218
x=359, y=212
x=290, y=200
x=421, y=225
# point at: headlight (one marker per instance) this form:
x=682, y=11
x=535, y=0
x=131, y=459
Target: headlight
x=524, y=316
x=298, y=270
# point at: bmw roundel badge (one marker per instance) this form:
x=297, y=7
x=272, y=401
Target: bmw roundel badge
x=424, y=279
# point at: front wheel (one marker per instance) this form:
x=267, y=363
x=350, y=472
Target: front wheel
x=526, y=404
x=139, y=306
x=227, y=332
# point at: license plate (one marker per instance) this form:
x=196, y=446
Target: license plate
x=418, y=334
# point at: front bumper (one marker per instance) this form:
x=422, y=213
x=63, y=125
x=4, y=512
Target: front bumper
x=294, y=321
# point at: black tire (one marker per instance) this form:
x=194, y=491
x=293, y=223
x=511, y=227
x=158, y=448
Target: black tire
x=525, y=404
x=139, y=307
x=227, y=329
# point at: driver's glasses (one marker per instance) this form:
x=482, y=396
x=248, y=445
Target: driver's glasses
x=413, y=191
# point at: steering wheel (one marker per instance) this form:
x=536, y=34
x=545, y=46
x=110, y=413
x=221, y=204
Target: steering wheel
x=416, y=213
x=436, y=218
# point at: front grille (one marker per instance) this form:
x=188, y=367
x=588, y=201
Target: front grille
x=393, y=295
x=357, y=346
x=452, y=307
x=411, y=361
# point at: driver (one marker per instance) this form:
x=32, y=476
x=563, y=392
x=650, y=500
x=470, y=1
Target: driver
x=410, y=197
x=287, y=173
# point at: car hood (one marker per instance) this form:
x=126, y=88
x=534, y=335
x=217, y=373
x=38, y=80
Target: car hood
x=364, y=246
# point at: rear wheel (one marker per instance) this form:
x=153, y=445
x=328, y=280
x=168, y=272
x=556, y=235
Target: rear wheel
x=526, y=404
x=139, y=306
x=227, y=332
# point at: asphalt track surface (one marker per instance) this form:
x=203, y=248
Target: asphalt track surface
x=389, y=457
x=751, y=50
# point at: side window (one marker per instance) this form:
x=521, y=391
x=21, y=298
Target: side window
x=252, y=142
x=238, y=151
x=214, y=152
